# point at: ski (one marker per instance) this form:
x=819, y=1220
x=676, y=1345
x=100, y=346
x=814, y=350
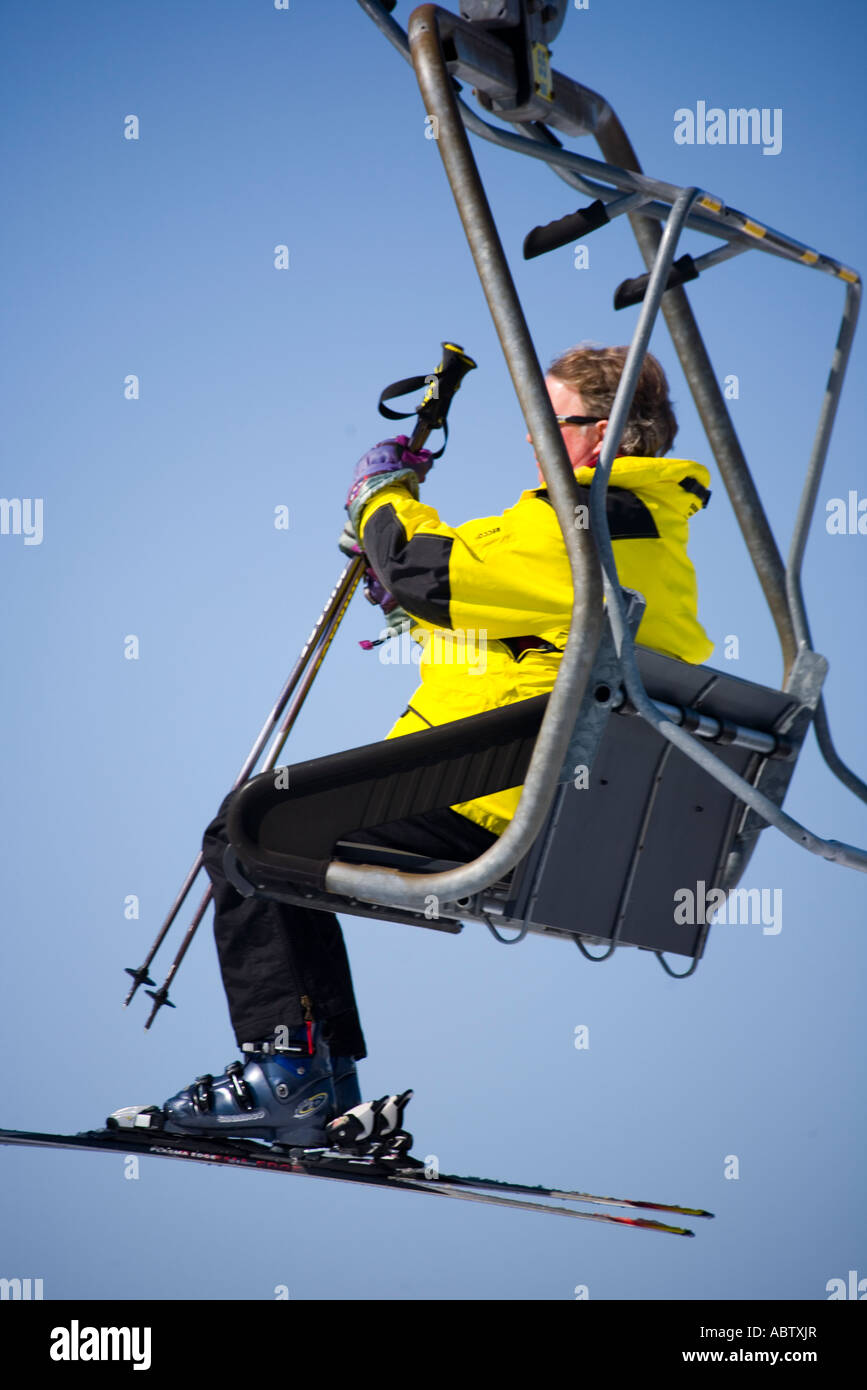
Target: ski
x=400, y=1171
x=569, y=1195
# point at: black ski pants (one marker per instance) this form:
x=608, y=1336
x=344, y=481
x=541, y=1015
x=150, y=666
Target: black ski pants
x=272, y=955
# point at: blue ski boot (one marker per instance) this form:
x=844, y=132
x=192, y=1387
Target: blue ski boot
x=347, y=1093
x=283, y=1092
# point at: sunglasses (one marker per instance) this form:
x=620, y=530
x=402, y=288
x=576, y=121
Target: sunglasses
x=579, y=419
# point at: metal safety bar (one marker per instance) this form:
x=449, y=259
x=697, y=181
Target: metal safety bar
x=848, y=855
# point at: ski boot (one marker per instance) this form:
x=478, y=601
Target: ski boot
x=283, y=1092
x=347, y=1092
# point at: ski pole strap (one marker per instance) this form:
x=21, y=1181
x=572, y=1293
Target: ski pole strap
x=440, y=387
x=400, y=388
x=403, y=388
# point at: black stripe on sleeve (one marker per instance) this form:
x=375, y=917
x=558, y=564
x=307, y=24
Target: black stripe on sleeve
x=693, y=485
x=628, y=517
x=415, y=572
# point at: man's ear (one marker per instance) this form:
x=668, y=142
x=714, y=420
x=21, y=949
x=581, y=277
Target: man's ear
x=602, y=426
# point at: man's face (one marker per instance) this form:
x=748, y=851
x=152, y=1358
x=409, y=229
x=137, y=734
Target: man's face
x=583, y=442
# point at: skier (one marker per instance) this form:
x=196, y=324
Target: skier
x=504, y=581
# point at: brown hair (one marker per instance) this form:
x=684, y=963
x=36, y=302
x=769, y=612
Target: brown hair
x=594, y=373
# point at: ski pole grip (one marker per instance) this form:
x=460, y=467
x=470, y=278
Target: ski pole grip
x=443, y=384
x=441, y=387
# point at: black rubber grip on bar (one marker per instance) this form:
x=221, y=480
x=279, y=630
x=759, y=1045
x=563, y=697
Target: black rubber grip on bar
x=784, y=750
x=559, y=233
x=690, y=719
x=728, y=732
x=633, y=291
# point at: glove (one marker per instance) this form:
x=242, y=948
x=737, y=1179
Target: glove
x=388, y=462
x=349, y=543
x=396, y=618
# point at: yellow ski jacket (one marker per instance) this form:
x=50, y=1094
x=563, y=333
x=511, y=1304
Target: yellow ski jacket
x=491, y=599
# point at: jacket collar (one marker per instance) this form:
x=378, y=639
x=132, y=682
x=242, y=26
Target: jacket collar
x=650, y=474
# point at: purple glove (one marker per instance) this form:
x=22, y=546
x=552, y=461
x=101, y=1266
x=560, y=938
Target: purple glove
x=387, y=462
x=374, y=590
x=396, y=618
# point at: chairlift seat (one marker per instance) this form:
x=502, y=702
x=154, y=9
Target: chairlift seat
x=610, y=856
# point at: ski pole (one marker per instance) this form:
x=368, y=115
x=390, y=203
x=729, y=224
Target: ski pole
x=431, y=414
x=346, y=584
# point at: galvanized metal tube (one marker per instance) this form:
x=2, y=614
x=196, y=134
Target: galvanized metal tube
x=840, y=769
x=782, y=592
x=719, y=254
x=806, y=511
x=389, y=885
x=707, y=726
x=838, y=852
x=629, y=378
x=710, y=403
x=815, y=468
x=626, y=180
x=658, y=195
x=849, y=855
x=712, y=409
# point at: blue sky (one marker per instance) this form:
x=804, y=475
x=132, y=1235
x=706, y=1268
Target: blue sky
x=258, y=388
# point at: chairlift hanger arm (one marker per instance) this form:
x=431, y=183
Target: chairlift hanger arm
x=733, y=226
x=438, y=92
x=482, y=57
x=587, y=613
x=733, y=468
x=688, y=343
